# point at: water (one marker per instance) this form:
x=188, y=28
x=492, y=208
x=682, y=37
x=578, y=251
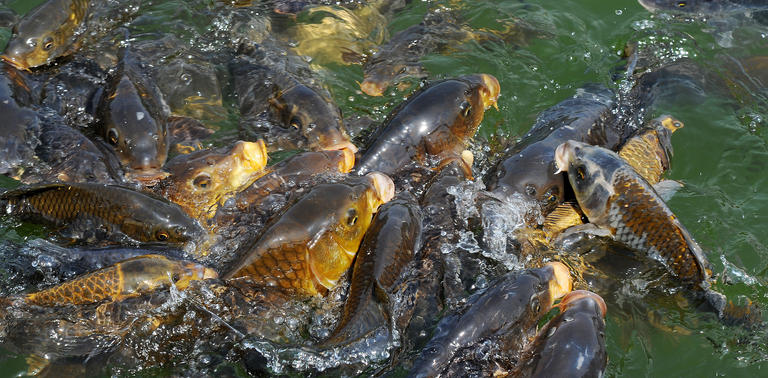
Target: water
x=720, y=155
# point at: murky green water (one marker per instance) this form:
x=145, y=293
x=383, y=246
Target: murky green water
x=720, y=155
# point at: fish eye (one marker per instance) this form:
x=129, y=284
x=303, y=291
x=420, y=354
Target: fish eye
x=682, y=4
x=351, y=217
x=202, y=181
x=677, y=124
x=112, y=136
x=465, y=108
x=402, y=70
x=535, y=305
x=176, y=277
x=161, y=235
x=551, y=196
x=295, y=123
x=48, y=44
x=580, y=174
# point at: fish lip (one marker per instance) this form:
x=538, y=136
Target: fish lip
x=562, y=155
x=562, y=283
x=383, y=186
x=147, y=177
x=208, y=273
x=348, y=162
x=253, y=154
x=15, y=62
x=491, y=90
x=341, y=146
x=373, y=88
x=581, y=294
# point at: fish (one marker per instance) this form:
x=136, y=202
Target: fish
x=435, y=122
x=200, y=181
x=286, y=110
x=84, y=209
x=125, y=279
x=509, y=308
x=614, y=196
x=313, y=243
x=572, y=344
x=19, y=133
x=47, y=32
x=704, y=7
x=389, y=246
x=134, y=120
x=648, y=152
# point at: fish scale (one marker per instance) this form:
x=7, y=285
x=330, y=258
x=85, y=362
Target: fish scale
x=639, y=218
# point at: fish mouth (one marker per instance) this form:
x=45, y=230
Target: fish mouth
x=670, y=123
x=490, y=92
x=147, y=177
x=348, y=161
x=16, y=63
x=562, y=283
x=345, y=145
x=577, y=295
x=562, y=157
x=383, y=186
x=373, y=88
x=253, y=154
x=208, y=273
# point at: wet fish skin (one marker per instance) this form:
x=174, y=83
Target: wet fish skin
x=309, y=247
x=614, y=196
x=509, y=308
x=46, y=33
x=125, y=279
x=200, y=180
x=572, y=344
x=117, y=210
x=134, y=120
x=286, y=112
x=19, y=132
x=704, y=7
x=437, y=121
x=649, y=152
x=388, y=247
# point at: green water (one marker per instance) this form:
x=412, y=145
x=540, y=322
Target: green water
x=720, y=155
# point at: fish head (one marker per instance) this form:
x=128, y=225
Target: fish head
x=185, y=272
x=308, y=120
x=32, y=46
x=468, y=108
x=137, y=135
x=701, y=7
x=531, y=172
x=357, y=200
x=583, y=298
x=148, y=272
x=198, y=181
x=590, y=172
x=380, y=75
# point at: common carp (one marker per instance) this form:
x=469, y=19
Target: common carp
x=46, y=33
x=201, y=180
x=572, y=344
x=125, y=279
x=614, y=196
x=287, y=110
x=508, y=309
x=88, y=210
x=19, y=132
x=389, y=246
x=435, y=122
x=309, y=247
x=134, y=120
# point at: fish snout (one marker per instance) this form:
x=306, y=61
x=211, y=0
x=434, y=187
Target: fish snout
x=490, y=91
x=383, y=186
x=15, y=60
x=562, y=283
x=579, y=295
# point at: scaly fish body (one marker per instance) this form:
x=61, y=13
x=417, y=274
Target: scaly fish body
x=125, y=279
x=438, y=121
x=46, y=33
x=615, y=196
x=649, y=152
x=201, y=180
x=314, y=242
x=116, y=209
x=572, y=344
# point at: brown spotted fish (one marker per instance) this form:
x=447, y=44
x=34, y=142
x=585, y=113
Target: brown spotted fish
x=125, y=279
x=614, y=196
x=313, y=243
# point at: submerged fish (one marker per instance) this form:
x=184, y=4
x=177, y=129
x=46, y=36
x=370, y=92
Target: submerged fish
x=704, y=7
x=507, y=310
x=125, y=279
x=19, y=132
x=313, y=243
x=614, y=196
x=85, y=209
x=435, y=122
x=46, y=33
x=201, y=180
x=572, y=344
x=134, y=120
